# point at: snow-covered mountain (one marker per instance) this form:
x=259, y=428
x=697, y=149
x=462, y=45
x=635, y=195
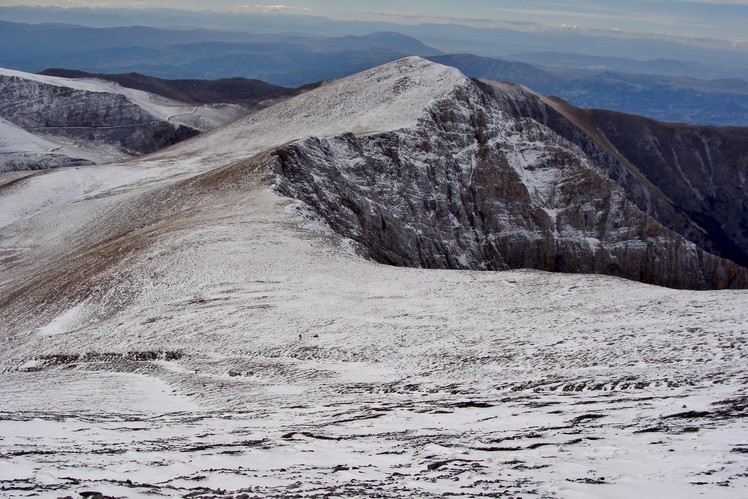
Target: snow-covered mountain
x=19, y=149
x=93, y=121
x=173, y=325
x=471, y=187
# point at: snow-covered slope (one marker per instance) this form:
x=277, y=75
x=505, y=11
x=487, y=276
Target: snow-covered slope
x=382, y=99
x=205, y=117
x=173, y=327
x=97, y=120
x=19, y=149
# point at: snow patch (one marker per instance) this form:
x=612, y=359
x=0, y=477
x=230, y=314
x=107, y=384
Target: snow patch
x=64, y=322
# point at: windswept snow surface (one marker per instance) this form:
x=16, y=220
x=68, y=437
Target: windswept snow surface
x=19, y=147
x=170, y=327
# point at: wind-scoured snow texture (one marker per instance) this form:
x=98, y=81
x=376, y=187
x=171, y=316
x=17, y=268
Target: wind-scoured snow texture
x=382, y=99
x=470, y=187
x=90, y=117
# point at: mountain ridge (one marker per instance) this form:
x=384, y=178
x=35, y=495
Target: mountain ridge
x=528, y=208
x=485, y=218
x=92, y=121
x=200, y=334
x=226, y=90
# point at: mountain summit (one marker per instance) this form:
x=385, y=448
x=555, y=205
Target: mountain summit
x=421, y=167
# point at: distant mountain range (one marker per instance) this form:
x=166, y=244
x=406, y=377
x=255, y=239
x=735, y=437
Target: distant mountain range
x=516, y=41
x=287, y=60
x=669, y=67
x=664, y=98
x=293, y=60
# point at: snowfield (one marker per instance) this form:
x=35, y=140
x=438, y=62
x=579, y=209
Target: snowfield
x=172, y=328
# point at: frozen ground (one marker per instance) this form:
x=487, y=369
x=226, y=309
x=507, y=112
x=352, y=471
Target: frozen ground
x=404, y=382
x=174, y=332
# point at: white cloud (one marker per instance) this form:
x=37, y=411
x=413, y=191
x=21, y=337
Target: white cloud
x=269, y=9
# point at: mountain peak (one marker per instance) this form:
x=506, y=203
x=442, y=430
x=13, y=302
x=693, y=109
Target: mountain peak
x=385, y=98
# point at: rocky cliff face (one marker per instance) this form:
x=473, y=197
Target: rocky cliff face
x=473, y=187
x=91, y=121
x=704, y=170
x=692, y=179
x=79, y=114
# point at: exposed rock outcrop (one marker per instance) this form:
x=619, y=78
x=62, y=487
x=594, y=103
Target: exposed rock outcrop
x=78, y=114
x=35, y=161
x=692, y=179
x=472, y=187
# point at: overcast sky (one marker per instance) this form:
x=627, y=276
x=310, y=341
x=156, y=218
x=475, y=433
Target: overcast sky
x=723, y=19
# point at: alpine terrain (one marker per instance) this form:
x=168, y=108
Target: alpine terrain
x=348, y=294
x=90, y=121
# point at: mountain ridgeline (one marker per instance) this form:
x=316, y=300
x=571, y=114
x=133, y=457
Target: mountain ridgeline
x=225, y=90
x=493, y=177
x=423, y=167
x=71, y=118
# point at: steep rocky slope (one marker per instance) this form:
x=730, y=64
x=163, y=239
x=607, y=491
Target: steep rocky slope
x=691, y=179
x=421, y=167
x=703, y=170
x=470, y=186
x=95, y=120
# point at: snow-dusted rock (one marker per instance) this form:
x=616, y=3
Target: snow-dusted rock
x=470, y=187
x=92, y=120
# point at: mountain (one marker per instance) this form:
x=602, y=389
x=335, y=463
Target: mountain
x=668, y=67
x=664, y=98
x=84, y=121
x=282, y=59
x=199, y=334
x=225, y=90
x=421, y=167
